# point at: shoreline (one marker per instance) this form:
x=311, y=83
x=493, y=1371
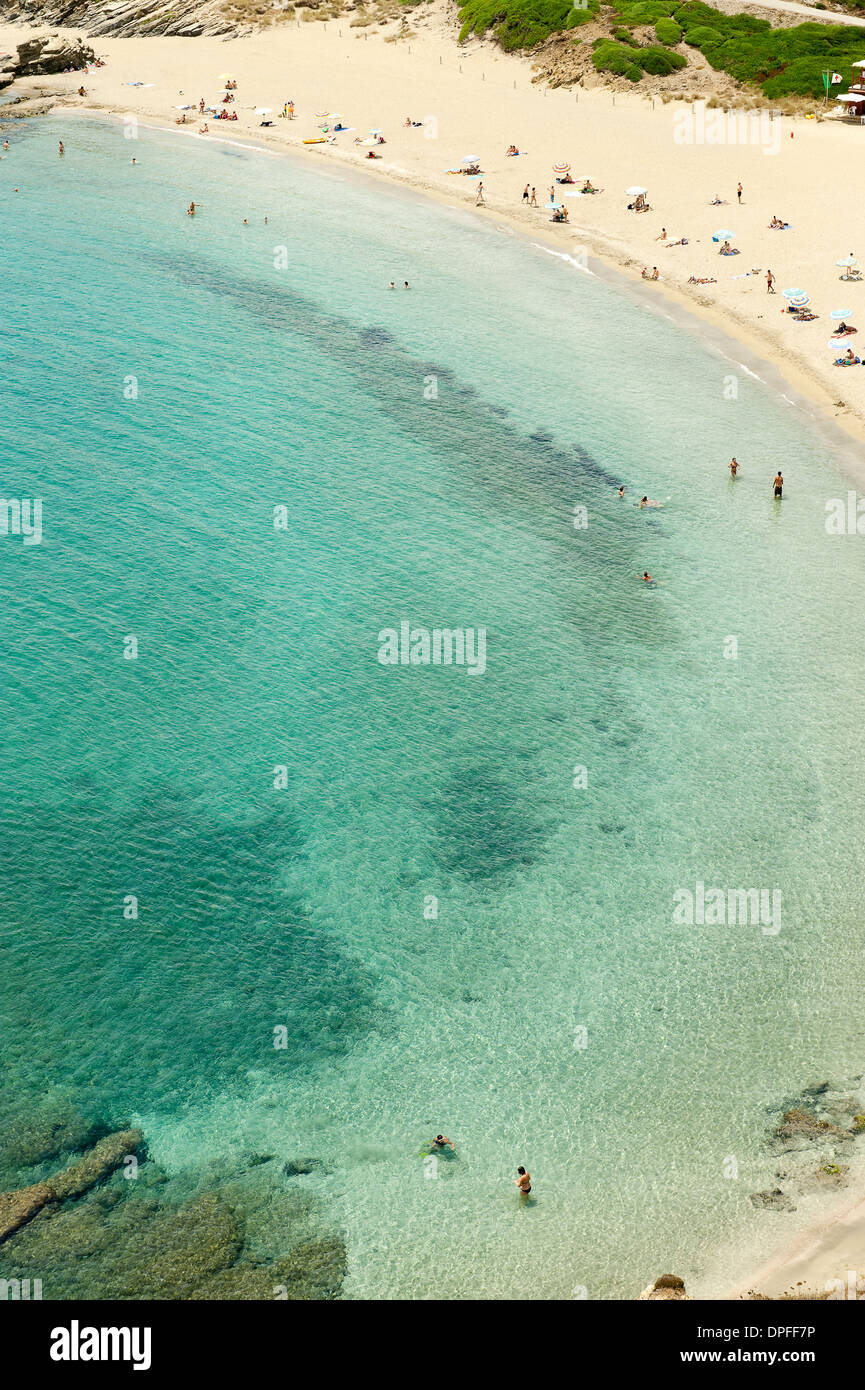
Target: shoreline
x=600, y=226
x=817, y=1241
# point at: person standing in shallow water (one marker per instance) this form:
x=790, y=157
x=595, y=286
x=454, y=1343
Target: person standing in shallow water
x=523, y=1181
x=778, y=484
x=734, y=467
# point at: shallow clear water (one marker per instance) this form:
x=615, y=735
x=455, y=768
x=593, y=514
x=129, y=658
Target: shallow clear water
x=430, y=448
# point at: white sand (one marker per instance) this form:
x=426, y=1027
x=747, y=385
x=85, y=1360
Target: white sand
x=828, y=1256
x=814, y=180
x=478, y=101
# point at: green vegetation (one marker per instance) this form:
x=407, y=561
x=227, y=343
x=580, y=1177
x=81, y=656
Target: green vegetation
x=779, y=62
x=667, y=31
x=523, y=23
x=631, y=61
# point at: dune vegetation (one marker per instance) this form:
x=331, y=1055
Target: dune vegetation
x=780, y=62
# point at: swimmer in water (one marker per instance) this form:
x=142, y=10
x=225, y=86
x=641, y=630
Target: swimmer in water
x=190, y=211
x=734, y=467
x=523, y=1181
x=60, y=149
x=646, y=577
x=441, y=1141
x=621, y=492
x=648, y=502
x=778, y=484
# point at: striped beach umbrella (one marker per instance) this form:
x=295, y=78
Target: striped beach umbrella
x=799, y=301
x=563, y=168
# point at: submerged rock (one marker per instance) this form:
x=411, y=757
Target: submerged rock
x=799, y=1124
x=773, y=1197
x=297, y=1167
x=18, y=1207
x=32, y=1138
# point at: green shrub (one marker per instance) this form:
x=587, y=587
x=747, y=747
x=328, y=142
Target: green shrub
x=667, y=31
x=522, y=23
x=701, y=36
x=659, y=61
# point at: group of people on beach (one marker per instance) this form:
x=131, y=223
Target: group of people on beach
x=522, y=1182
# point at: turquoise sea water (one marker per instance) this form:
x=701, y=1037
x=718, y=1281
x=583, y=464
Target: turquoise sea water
x=167, y=382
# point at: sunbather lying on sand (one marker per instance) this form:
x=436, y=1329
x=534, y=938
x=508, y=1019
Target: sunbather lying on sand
x=702, y=280
x=851, y=360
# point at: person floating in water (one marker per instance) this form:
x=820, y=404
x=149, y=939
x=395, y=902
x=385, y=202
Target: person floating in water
x=190, y=211
x=649, y=502
x=523, y=1181
x=734, y=467
x=778, y=484
x=441, y=1141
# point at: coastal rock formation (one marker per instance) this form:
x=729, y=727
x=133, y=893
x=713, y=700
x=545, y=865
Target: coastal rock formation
x=45, y=56
x=799, y=1124
x=125, y=18
x=31, y=1136
x=296, y=1167
x=667, y=1287
x=18, y=1207
x=775, y=1198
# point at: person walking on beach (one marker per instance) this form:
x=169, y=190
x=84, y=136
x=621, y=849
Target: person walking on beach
x=526, y=194
x=770, y=282
x=778, y=484
x=534, y=199
x=739, y=193
x=479, y=200
x=523, y=1181
x=734, y=467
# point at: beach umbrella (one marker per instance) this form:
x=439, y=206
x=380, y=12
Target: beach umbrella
x=800, y=300
x=225, y=77
x=263, y=110
x=848, y=260
x=553, y=207
x=791, y=294
x=635, y=190
x=376, y=131
x=563, y=168
x=841, y=314
x=836, y=343
x=724, y=235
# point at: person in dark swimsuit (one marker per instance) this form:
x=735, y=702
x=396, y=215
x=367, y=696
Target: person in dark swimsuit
x=441, y=1141
x=779, y=484
x=523, y=1182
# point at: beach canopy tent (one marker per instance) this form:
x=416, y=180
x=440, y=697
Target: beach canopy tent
x=635, y=190
x=854, y=98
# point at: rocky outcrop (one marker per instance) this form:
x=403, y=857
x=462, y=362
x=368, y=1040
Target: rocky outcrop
x=125, y=18
x=16, y=1208
x=45, y=56
x=668, y=1287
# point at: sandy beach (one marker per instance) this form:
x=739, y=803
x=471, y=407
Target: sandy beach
x=478, y=101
